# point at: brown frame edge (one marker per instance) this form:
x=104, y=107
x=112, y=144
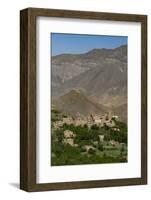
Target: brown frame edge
x=28, y=99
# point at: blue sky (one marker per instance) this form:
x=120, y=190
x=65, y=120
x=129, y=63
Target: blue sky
x=79, y=43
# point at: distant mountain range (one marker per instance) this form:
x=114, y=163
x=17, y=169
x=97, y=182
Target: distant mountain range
x=93, y=82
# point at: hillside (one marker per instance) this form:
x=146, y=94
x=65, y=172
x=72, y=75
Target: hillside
x=121, y=111
x=75, y=103
x=83, y=82
x=74, y=64
x=106, y=83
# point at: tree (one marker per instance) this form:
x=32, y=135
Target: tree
x=85, y=126
x=94, y=127
x=91, y=151
x=100, y=147
x=122, y=150
x=82, y=149
x=107, y=137
x=59, y=135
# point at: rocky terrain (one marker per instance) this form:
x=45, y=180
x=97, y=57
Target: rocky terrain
x=93, y=82
x=75, y=103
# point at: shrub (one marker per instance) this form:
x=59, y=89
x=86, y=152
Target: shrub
x=82, y=149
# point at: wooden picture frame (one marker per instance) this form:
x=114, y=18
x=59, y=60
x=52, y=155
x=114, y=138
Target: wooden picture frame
x=28, y=98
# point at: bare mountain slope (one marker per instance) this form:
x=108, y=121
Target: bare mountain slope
x=75, y=103
x=68, y=66
x=107, y=83
x=100, y=75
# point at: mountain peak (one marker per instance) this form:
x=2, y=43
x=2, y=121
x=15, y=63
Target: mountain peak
x=75, y=102
x=96, y=51
x=73, y=93
x=122, y=47
x=105, y=50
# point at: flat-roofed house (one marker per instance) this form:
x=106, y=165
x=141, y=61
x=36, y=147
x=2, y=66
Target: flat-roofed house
x=68, y=134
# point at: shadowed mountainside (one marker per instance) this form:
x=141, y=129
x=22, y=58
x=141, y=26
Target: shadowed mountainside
x=75, y=103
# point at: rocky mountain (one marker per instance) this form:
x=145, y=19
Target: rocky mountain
x=106, y=83
x=99, y=75
x=76, y=103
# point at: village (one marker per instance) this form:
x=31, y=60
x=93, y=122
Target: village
x=99, y=120
x=69, y=139
x=94, y=134
x=93, y=119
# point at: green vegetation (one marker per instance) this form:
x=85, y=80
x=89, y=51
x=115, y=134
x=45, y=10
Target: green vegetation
x=87, y=147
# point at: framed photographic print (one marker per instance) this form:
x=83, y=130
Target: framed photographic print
x=83, y=93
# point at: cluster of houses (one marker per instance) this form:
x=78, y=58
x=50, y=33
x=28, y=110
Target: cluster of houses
x=99, y=120
x=69, y=139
